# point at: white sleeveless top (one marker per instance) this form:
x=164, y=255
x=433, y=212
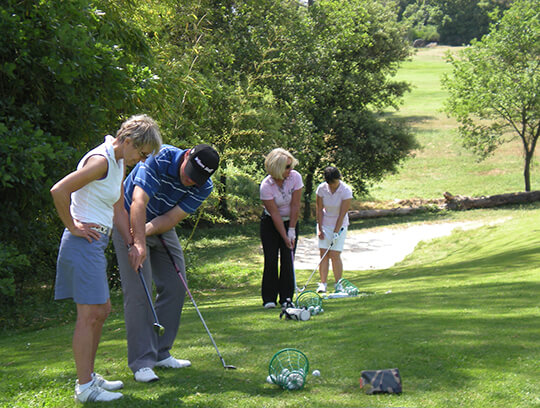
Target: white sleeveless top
x=94, y=202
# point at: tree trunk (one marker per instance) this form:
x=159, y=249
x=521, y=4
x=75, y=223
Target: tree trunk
x=309, y=179
x=527, y=171
x=455, y=203
x=222, y=194
x=308, y=190
x=468, y=203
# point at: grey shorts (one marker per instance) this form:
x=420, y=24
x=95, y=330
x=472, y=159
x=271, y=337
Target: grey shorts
x=81, y=270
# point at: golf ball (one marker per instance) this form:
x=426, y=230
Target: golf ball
x=316, y=373
x=295, y=381
x=291, y=386
x=270, y=379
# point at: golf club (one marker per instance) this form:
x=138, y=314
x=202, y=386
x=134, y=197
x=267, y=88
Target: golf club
x=294, y=274
x=226, y=366
x=322, y=257
x=158, y=328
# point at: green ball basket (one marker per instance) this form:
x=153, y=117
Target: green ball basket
x=347, y=287
x=288, y=369
x=308, y=298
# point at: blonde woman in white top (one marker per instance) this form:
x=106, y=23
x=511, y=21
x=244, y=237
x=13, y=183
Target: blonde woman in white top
x=86, y=201
x=333, y=203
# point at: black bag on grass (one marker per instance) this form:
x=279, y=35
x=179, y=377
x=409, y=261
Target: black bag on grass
x=381, y=381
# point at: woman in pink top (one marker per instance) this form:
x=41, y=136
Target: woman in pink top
x=280, y=193
x=333, y=202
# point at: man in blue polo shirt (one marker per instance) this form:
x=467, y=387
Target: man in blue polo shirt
x=159, y=193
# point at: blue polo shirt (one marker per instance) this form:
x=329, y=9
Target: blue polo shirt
x=159, y=177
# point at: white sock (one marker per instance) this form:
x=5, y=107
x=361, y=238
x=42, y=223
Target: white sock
x=83, y=387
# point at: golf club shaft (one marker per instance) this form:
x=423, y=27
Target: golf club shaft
x=156, y=321
x=294, y=274
x=193, y=301
x=317, y=267
x=320, y=261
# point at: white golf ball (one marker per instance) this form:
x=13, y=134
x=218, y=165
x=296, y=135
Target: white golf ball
x=291, y=386
x=270, y=379
x=295, y=381
x=316, y=373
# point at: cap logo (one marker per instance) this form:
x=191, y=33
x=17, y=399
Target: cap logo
x=202, y=166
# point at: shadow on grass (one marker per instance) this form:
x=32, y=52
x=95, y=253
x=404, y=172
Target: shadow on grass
x=469, y=312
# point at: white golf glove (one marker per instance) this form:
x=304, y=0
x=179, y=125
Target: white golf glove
x=335, y=238
x=291, y=234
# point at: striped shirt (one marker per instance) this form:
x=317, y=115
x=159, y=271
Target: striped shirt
x=159, y=177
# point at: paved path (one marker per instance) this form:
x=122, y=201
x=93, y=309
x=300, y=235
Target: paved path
x=379, y=248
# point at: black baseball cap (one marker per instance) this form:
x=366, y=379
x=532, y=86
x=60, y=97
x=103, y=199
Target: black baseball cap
x=203, y=161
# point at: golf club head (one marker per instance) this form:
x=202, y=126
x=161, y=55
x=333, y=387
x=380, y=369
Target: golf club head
x=159, y=329
x=229, y=367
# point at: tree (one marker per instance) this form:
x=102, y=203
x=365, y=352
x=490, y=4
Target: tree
x=68, y=72
x=251, y=75
x=212, y=58
x=338, y=75
x=495, y=85
x=457, y=22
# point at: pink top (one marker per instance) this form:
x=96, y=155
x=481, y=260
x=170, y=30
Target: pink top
x=332, y=203
x=282, y=195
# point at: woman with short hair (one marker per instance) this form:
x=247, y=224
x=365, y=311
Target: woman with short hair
x=334, y=199
x=87, y=200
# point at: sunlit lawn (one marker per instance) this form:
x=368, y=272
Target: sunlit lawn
x=442, y=163
x=459, y=318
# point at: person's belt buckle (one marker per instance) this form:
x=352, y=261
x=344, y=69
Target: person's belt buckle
x=102, y=229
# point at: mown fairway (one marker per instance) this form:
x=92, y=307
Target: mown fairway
x=442, y=163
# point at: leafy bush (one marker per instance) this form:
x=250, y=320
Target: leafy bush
x=68, y=72
x=425, y=32
x=11, y=263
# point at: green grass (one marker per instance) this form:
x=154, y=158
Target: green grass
x=461, y=324
x=442, y=163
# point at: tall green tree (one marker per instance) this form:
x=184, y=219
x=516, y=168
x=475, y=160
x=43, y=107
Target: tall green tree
x=495, y=85
x=456, y=22
x=338, y=75
x=251, y=75
x=211, y=68
x=69, y=71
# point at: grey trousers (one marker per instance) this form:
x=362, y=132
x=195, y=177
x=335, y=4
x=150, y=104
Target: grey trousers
x=145, y=347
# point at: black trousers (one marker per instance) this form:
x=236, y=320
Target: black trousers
x=274, y=284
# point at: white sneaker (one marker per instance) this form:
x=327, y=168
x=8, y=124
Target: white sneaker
x=95, y=393
x=107, y=385
x=146, y=375
x=171, y=362
x=269, y=305
x=321, y=288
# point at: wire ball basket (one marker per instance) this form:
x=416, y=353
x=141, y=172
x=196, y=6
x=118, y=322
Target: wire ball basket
x=288, y=369
x=308, y=298
x=311, y=301
x=347, y=287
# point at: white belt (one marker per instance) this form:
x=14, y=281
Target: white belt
x=104, y=230
x=285, y=218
